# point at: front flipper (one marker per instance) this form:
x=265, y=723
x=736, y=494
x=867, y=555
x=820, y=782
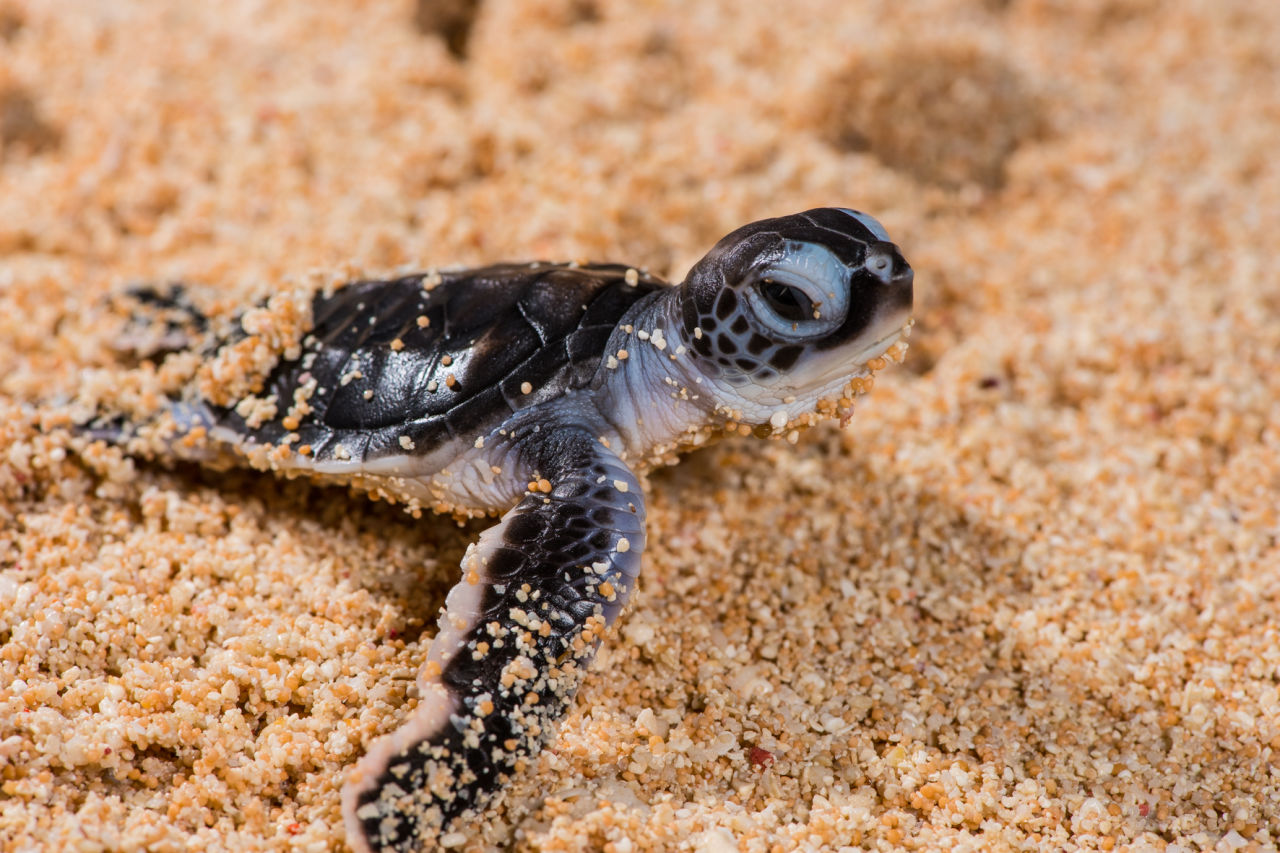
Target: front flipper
x=538, y=591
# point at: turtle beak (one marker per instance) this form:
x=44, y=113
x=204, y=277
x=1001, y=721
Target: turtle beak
x=903, y=286
x=903, y=275
x=888, y=265
x=890, y=290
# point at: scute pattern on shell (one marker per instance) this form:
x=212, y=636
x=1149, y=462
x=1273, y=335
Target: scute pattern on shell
x=371, y=372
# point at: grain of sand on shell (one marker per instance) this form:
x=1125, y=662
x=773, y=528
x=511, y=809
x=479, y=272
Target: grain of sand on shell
x=1028, y=597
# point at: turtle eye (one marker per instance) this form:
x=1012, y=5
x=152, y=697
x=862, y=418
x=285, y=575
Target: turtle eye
x=801, y=296
x=789, y=303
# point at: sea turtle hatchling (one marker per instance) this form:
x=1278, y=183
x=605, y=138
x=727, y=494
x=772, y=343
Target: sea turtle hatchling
x=538, y=391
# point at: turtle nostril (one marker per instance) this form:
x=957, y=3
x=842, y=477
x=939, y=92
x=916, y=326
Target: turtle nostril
x=886, y=263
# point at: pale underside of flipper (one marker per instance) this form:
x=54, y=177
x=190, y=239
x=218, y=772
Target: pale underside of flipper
x=537, y=593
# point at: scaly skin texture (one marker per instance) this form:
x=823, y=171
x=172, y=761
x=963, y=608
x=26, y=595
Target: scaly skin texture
x=538, y=592
x=534, y=390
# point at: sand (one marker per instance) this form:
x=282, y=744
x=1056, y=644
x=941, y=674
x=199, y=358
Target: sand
x=1027, y=599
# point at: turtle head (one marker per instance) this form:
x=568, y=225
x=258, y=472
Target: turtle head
x=784, y=314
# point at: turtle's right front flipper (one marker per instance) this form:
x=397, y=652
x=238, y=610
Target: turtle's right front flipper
x=537, y=593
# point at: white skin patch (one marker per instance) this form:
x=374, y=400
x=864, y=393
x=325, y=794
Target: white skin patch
x=461, y=606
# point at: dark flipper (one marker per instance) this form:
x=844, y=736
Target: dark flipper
x=159, y=320
x=538, y=591
x=162, y=320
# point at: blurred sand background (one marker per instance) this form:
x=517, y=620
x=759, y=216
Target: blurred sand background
x=1028, y=598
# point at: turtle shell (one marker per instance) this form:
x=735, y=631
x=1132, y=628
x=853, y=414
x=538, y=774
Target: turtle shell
x=409, y=364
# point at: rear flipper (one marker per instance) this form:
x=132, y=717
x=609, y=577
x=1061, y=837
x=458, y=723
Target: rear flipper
x=162, y=320
x=537, y=593
x=158, y=321
x=189, y=372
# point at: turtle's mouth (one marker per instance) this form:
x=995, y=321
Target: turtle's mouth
x=834, y=371
x=878, y=348
x=827, y=384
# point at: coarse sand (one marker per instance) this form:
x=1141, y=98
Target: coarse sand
x=1028, y=598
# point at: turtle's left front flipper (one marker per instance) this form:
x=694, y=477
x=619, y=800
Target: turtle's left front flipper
x=538, y=591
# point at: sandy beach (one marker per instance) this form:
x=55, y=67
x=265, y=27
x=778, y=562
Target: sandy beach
x=1029, y=598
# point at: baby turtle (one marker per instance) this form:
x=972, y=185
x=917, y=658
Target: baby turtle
x=539, y=391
